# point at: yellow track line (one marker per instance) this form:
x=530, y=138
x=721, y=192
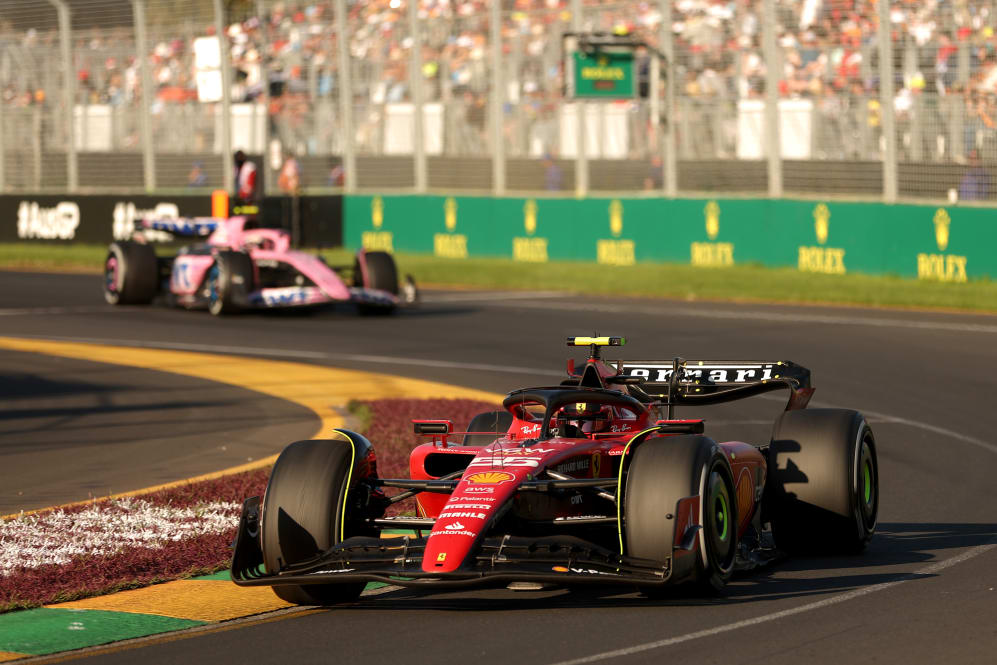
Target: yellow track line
x=198, y=600
x=320, y=389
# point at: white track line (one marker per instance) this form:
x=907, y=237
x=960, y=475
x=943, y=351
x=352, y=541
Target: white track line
x=33, y=311
x=887, y=418
x=775, y=616
x=478, y=296
x=293, y=354
x=450, y=364
x=530, y=370
x=820, y=604
x=668, y=309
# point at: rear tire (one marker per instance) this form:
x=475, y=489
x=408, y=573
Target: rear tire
x=303, y=514
x=131, y=273
x=823, y=484
x=489, y=421
x=376, y=270
x=229, y=282
x=663, y=471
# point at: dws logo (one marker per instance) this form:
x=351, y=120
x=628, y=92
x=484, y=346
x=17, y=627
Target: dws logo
x=58, y=223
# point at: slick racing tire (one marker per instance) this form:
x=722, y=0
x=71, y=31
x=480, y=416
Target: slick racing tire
x=823, y=484
x=662, y=471
x=229, y=282
x=131, y=273
x=376, y=270
x=303, y=513
x=489, y=421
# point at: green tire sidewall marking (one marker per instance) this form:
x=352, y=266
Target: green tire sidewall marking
x=349, y=479
x=867, y=480
x=723, y=513
x=619, y=483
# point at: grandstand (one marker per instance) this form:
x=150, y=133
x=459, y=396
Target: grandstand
x=102, y=95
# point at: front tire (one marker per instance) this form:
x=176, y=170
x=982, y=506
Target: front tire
x=307, y=510
x=823, y=489
x=229, y=282
x=489, y=421
x=376, y=270
x=663, y=471
x=131, y=273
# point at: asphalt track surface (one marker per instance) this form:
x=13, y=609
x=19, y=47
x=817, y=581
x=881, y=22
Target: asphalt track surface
x=923, y=592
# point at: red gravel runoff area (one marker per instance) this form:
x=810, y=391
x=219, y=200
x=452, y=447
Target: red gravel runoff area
x=386, y=422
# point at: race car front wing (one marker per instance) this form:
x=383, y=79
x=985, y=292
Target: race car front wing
x=498, y=559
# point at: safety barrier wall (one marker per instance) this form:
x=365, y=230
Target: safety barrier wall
x=103, y=218
x=949, y=244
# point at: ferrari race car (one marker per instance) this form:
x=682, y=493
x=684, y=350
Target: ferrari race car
x=590, y=481
x=239, y=267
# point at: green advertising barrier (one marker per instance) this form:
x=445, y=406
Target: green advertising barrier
x=947, y=244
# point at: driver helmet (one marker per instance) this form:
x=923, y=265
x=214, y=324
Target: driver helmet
x=587, y=416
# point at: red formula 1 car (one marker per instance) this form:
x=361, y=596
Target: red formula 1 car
x=590, y=481
x=239, y=266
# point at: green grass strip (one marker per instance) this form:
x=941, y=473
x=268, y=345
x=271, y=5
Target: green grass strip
x=747, y=283
x=52, y=256
x=45, y=631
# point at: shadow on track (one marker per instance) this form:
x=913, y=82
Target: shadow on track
x=340, y=311
x=896, y=544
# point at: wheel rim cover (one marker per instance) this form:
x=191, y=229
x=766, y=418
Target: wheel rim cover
x=213, y=285
x=867, y=498
x=111, y=274
x=718, y=524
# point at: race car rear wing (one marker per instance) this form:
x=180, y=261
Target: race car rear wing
x=182, y=226
x=681, y=382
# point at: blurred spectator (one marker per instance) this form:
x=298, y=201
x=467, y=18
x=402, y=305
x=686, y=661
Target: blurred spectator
x=654, y=179
x=197, y=177
x=945, y=64
x=337, y=176
x=289, y=180
x=975, y=183
x=246, y=190
x=553, y=176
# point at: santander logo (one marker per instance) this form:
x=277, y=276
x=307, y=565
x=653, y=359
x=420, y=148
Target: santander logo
x=456, y=526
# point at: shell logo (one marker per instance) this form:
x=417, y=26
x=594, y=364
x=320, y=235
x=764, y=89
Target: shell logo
x=821, y=217
x=942, y=222
x=489, y=478
x=377, y=211
x=712, y=214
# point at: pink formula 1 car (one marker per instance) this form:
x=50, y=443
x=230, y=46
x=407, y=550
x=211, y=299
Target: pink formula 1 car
x=238, y=267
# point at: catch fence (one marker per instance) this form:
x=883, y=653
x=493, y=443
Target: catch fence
x=757, y=97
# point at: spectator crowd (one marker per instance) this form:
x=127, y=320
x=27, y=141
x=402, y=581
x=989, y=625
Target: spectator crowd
x=944, y=69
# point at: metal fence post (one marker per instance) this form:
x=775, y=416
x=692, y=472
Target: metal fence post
x=497, y=97
x=886, y=113
x=68, y=90
x=3, y=153
x=265, y=100
x=36, y=147
x=228, y=173
x=773, y=144
x=669, y=160
x=145, y=83
x=581, y=157
x=346, y=98
x=415, y=82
